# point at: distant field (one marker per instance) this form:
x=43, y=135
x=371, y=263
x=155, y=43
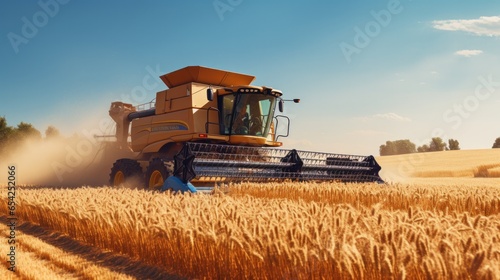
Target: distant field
x=447, y=164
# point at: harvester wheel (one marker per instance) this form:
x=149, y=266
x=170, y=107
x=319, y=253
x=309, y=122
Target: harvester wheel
x=156, y=174
x=123, y=170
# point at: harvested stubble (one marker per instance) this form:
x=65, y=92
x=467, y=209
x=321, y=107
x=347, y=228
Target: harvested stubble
x=287, y=231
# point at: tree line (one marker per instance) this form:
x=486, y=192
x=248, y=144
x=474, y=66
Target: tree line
x=10, y=136
x=436, y=144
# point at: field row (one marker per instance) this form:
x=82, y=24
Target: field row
x=309, y=231
x=444, y=198
x=36, y=259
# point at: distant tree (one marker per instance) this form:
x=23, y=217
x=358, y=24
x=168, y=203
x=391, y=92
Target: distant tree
x=387, y=149
x=453, y=144
x=26, y=131
x=12, y=136
x=496, y=144
x=5, y=131
x=5, y=134
x=423, y=149
x=397, y=147
x=52, y=132
x=437, y=144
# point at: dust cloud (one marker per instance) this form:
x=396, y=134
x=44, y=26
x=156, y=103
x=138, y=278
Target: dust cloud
x=68, y=162
x=393, y=171
x=79, y=160
x=391, y=174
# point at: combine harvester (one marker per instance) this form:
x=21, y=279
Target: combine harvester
x=213, y=126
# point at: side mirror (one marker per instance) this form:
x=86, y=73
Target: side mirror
x=280, y=105
x=210, y=94
x=296, y=100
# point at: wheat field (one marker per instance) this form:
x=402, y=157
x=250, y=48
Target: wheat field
x=437, y=218
x=40, y=260
x=285, y=231
x=463, y=164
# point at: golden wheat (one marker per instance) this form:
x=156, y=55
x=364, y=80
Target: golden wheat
x=467, y=163
x=40, y=260
x=288, y=230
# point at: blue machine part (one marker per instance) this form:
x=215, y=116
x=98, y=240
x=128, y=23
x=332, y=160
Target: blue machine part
x=175, y=184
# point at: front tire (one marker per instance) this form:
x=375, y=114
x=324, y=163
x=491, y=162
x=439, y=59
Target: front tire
x=156, y=174
x=123, y=170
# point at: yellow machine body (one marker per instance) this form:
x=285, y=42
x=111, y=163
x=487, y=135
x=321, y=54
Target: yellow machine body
x=183, y=112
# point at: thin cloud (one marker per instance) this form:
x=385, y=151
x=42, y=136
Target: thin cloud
x=468, y=53
x=392, y=117
x=387, y=116
x=369, y=132
x=483, y=26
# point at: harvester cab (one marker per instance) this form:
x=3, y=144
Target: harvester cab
x=213, y=125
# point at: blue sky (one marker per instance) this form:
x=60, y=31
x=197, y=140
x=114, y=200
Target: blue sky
x=365, y=71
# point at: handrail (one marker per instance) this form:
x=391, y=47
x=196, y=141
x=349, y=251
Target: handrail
x=276, y=128
x=208, y=116
x=146, y=106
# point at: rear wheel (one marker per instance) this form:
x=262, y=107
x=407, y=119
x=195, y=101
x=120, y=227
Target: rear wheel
x=123, y=171
x=156, y=174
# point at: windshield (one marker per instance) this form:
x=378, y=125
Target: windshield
x=247, y=114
